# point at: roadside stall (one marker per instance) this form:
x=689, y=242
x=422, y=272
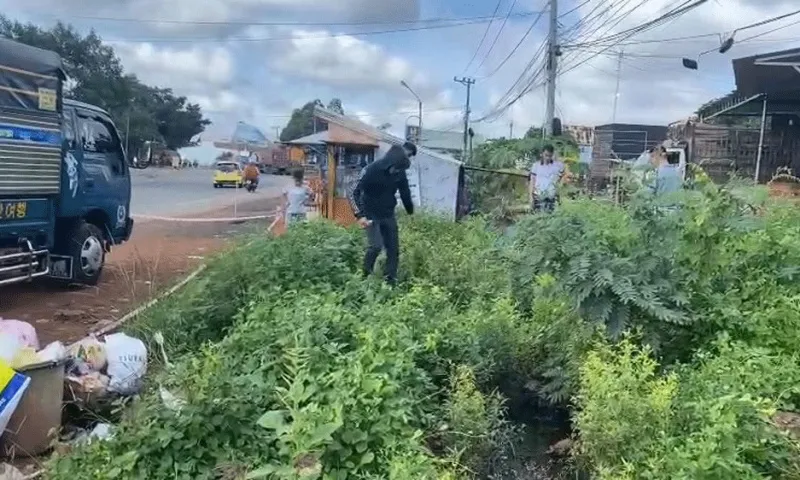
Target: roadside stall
x=434, y=178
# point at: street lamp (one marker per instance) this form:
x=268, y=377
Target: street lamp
x=419, y=101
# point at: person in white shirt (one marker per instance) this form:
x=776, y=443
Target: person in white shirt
x=295, y=199
x=545, y=177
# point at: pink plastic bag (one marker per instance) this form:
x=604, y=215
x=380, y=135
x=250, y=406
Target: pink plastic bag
x=22, y=331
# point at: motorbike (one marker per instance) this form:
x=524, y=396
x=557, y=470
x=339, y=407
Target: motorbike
x=250, y=185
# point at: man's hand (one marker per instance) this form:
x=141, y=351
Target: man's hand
x=364, y=222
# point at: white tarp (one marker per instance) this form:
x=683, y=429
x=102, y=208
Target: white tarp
x=436, y=174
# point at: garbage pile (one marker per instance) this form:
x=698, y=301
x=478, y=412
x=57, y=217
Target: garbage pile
x=98, y=368
x=34, y=382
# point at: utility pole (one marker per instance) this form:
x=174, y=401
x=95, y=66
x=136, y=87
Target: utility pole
x=511, y=129
x=469, y=82
x=552, y=68
x=277, y=132
x=616, y=91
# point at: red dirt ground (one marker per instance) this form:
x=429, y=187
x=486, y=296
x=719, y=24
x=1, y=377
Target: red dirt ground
x=158, y=255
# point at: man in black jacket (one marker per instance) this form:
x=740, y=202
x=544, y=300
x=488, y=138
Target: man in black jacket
x=374, y=201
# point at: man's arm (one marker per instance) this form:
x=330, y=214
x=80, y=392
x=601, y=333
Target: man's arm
x=356, y=196
x=405, y=194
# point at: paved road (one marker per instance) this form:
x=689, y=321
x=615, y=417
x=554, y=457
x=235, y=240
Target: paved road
x=167, y=192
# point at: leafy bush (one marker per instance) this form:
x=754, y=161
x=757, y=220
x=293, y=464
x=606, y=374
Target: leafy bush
x=709, y=420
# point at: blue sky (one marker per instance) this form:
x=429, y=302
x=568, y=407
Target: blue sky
x=235, y=73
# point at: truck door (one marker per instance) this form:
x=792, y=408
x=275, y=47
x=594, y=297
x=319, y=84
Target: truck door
x=105, y=181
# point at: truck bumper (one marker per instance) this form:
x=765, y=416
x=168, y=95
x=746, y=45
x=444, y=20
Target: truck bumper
x=128, y=229
x=24, y=265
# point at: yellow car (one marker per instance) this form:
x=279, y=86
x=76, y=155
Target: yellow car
x=228, y=173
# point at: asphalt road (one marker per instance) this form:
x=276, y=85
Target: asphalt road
x=168, y=192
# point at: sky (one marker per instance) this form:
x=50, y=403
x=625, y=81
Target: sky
x=256, y=60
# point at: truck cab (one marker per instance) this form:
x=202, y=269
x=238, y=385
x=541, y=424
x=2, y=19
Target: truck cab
x=65, y=184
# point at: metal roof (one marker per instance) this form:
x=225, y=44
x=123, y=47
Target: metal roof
x=776, y=74
x=366, y=129
x=318, y=138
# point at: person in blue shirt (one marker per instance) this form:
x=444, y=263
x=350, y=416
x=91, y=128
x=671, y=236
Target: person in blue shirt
x=668, y=178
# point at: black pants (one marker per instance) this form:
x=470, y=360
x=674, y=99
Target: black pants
x=544, y=204
x=382, y=235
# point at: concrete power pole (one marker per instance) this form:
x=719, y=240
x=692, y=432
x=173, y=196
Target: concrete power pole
x=511, y=129
x=552, y=68
x=469, y=82
x=616, y=91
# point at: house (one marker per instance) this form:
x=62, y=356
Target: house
x=434, y=177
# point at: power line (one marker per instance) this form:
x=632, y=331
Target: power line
x=276, y=23
x=691, y=37
x=485, y=34
x=574, y=9
x=516, y=47
x=497, y=37
x=310, y=36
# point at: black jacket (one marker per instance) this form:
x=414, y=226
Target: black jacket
x=374, y=194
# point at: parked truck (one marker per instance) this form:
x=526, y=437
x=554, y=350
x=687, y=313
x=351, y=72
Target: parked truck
x=65, y=184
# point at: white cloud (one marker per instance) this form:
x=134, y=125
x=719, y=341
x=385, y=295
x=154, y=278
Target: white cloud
x=345, y=62
x=169, y=66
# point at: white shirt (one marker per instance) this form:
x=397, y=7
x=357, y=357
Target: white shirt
x=546, y=177
x=296, y=198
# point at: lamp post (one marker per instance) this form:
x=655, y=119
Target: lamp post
x=419, y=102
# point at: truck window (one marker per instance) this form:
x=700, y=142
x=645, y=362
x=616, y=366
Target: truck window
x=68, y=128
x=99, y=136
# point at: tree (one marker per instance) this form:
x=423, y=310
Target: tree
x=302, y=122
x=335, y=105
x=96, y=76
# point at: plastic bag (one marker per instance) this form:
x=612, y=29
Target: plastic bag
x=127, y=363
x=91, y=352
x=53, y=352
x=23, y=331
x=9, y=347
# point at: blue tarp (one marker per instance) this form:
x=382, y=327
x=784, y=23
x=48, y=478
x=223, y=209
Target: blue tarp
x=249, y=134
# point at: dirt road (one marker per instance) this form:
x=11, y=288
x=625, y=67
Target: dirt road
x=158, y=255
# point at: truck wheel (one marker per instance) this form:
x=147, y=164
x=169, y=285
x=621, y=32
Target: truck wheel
x=87, y=252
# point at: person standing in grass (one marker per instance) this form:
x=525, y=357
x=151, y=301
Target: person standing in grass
x=668, y=178
x=374, y=201
x=295, y=199
x=544, y=179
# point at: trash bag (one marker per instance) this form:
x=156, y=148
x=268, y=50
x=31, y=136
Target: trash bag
x=127, y=363
x=91, y=352
x=23, y=331
x=53, y=352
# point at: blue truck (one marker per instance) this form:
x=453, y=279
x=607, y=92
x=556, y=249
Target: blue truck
x=65, y=183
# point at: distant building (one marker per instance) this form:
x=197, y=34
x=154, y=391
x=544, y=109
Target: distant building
x=443, y=141
x=582, y=134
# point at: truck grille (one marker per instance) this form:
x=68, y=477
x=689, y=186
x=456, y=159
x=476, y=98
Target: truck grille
x=30, y=153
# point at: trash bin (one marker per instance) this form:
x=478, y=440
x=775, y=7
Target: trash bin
x=37, y=420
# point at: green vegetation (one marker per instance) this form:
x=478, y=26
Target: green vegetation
x=498, y=195
x=671, y=335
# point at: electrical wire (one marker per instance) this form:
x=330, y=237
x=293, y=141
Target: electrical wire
x=516, y=47
x=485, y=34
x=534, y=81
x=296, y=37
x=574, y=9
x=497, y=37
x=662, y=19
x=274, y=23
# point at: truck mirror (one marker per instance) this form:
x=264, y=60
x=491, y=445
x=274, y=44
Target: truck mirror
x=144, y=157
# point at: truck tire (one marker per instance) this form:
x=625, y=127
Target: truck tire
x=85, y=246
